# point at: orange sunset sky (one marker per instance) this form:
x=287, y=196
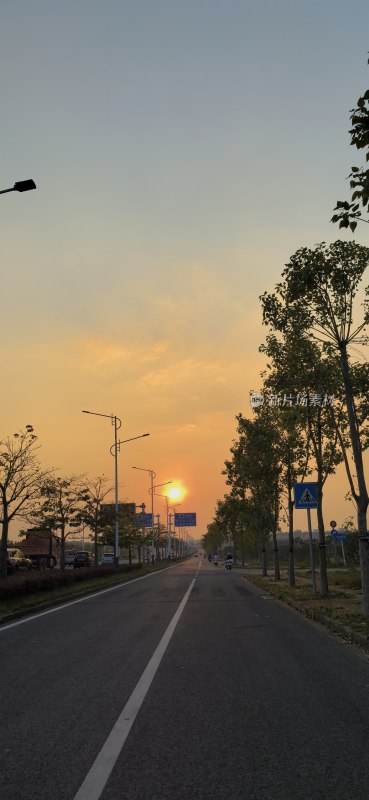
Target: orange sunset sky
x=182, y=152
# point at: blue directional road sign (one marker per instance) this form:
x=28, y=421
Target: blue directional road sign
x=144, y=520
x=306, y=495
x=185, y=520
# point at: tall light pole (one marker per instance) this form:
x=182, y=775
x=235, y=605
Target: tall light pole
x=116, y=447
x=173, y=516
x=152, y=476
x=166, y=498
x=20, y=186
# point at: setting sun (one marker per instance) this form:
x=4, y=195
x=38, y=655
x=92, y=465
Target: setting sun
x=174, y=493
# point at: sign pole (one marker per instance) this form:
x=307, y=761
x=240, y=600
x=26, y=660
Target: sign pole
x=311, y=552
x=143, y=529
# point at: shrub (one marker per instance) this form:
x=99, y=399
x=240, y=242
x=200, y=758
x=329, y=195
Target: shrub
x=33, y=583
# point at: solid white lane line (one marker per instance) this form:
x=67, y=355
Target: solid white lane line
x=83, y=599
x=96, y=779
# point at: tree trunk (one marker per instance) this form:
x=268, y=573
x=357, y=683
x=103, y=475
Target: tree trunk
x=242, y=545
x=96, y=551
x=264, y=565
x=277, y=573
x=363, y=499
x=62, y=550
x=4, y=548
x=364, y=560
x=322, y=543
x=291, y=555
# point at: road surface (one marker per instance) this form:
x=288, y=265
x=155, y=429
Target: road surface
x=188, y=684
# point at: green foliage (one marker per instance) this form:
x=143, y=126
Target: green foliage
x=349, y=213
x=61, y=504
x=214, y=539
x=317, y=294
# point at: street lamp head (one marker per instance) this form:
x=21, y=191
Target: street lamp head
x=24, y=186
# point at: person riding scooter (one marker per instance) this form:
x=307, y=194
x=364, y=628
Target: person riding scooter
x=229, y=561
x=216, y=559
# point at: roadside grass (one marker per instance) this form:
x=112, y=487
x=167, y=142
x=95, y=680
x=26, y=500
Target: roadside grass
x=342, y=605
x=22, y=603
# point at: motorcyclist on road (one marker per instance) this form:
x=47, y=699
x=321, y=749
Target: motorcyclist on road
x=229, y=561
x=216, y=559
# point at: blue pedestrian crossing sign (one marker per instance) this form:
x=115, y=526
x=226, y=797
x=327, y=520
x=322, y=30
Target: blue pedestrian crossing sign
x=306, y=495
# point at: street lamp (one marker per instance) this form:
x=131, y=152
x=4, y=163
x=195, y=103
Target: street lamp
x=167, y=501
x=20, y=186
x=173, y=517
x=152, y=476
x=116, y=446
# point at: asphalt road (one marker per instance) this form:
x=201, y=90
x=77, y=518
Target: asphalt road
x=248, y=700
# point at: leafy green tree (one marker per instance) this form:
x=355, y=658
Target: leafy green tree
x=280, y=383
x=60, y=507
x=254, y=471
x=310, y=430
x=214, y=538
x=160, y=541
x=317, y=295
x=236, y=518
x=348, y=213
x=21, y=477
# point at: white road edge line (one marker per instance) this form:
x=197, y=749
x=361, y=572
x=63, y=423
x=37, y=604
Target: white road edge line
x=96, y=779
x=83, y=599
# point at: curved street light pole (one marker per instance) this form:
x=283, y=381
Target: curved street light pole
x=173, y=517
x=114, y=421
x=116, y=446
x=151, y=491
x=166, y=498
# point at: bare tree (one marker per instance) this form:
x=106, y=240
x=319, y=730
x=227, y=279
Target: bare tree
x=92, y=496
x=21, y=478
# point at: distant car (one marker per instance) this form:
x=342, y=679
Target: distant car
x=196, y=555
x=107, y=558
x=82, y=560
x=17, y=561
x=69, y=558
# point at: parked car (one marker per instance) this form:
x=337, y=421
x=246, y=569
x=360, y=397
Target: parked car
x=17, y=561
x=69, y=558
x=82, y=560
x=107, y=558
